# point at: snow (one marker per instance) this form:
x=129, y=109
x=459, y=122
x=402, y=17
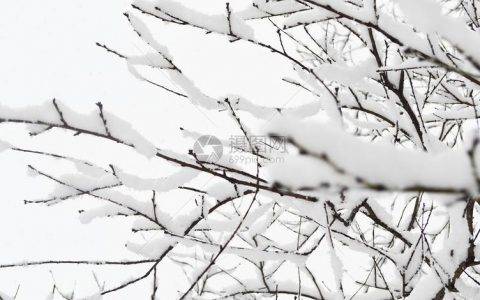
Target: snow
x=307, y=17
x=264, y=8
x=164, y=184
x=150, y=59
x=141, y=28
x=467, y=290
x=347, y=75
x=4, y=146
x=427, y=287
x=365, y=13
x=257, y=255
x=221, y=190
x=123, y=202
x=352, y=144
x=153, y=248
x=394, y=168
x=47, y=114
x=102, y=212
x=121, y=128
x=427, y=16
x=329, y=105
x=89, y=169
x=43, y=113
x=214, y=23
x=5, y=296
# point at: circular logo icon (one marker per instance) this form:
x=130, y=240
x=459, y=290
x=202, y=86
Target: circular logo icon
x=208, y=148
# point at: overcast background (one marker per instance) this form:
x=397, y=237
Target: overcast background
x=47, y=50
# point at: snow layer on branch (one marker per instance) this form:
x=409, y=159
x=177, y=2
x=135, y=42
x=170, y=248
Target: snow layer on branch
x=120, y=202
x=43, y=113
x=466, y=290
x=237, y=102
x=263, y=219
x=264, y=112
x=153, y=60
x=124, y=131
x=257, y=214
x=453, y=114
x=153, y=248
x=427, y=287
x=427, y=16
x=258, y=255
x=56, y=114
x=307, y=17
x=116, y=127
x=89, y=121
x=72, y=183
x=365, y=13
x=103, y=211
x=328, y=102
x=409, y=63
x=348, y=75
x=96, y=296
x=159, y=184
x=214, y=23
x=194, y=93
x=4, y=146
x=6, y=297
x=266, y=8
x=89, y=169
x=217, y=225
x=253, y=254
x=199, y=98
x=404, y=33
x=376, y=163
x=455, y=247
x=224, y=189
x=142, y=29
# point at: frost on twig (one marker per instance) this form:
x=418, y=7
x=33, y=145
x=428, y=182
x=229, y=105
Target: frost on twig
x=376, y=195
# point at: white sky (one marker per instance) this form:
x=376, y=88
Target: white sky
x=47, y=49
